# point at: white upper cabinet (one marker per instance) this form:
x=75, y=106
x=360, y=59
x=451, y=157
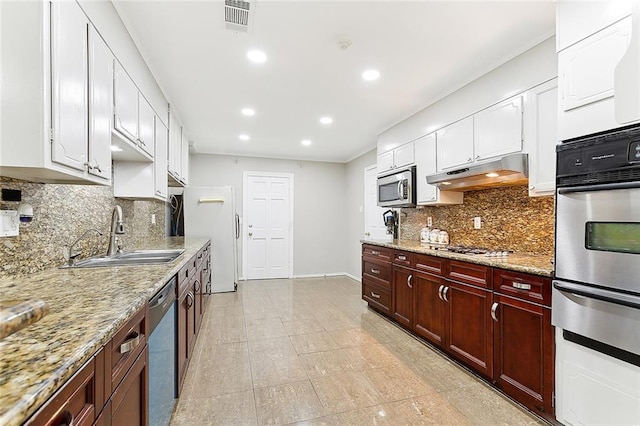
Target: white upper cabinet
x=175, y=149
x=69, y=85
x=125, y=104
x=146, y=117
x=100, y=106
x=498, y=130
x=400, y=157
x=597, y=59
x=541, y=137
x=160, y=159
x=425, y=155
x=455, y=144
x=184, y=174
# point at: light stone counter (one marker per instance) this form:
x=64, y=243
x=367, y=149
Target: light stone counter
x=529, y=263
x=86, y=308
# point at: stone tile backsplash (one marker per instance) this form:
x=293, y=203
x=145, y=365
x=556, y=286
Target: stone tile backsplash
x=510, y=220
x=61, y=214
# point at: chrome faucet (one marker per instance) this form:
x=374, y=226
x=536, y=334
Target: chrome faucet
x=117, y=228
x=70, y=255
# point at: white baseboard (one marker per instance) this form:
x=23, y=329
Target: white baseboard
x=353, y=277
x=328, y=274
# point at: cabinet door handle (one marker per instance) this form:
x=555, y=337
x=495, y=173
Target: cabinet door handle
x=444, y=294
x=494, y=308
x=440, y=292
x=375, y=253
x=190, y=300
x=131, y=343
x=375, y=295
x=409, y=281
x=477, y=157
x=469, y=159
x=521, y=286
x=197, y=286
x=402, y=257
x=66, y=419
x=375, y=271
x=250, y=234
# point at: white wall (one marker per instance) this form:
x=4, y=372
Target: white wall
x=319, y=204
x=355, y=217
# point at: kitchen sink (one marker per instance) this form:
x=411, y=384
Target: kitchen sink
x=135, y=257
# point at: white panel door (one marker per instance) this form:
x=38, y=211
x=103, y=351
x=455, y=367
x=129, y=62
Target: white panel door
x=100, y=105
x=374, y=228
x=160, y=159
x=268, y=225
x=425, y=151
x=69, y=84
x=175, y=146
x=455, y=144
x=146, y=117
x=385, y=162
x=403, y=156
x=498, y=130
x=125, y=95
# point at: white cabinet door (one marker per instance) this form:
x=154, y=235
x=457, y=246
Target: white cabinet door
x=541, y=137
x=184, y=173
x=403, y=156
x=100, y=105
x=146, y=117
x=586, y=81
x=455, y=144
x=69, y=85
x=498, y=129
x=626, y=90
x=126, y=104
x=385, y=162
x=160, y=159
x=175, y=146
x=425, y=152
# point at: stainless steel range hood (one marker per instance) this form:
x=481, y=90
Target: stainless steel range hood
x=509, y=170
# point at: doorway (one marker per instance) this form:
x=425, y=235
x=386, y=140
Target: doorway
x=374, y=228
x=268, y=225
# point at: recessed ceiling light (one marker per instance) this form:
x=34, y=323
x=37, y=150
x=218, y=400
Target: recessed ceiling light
x=248, y=111
x=371, y=75
x=326, y=120
x=115, y=148
x=306, y=142
x=257, y=56
x=492, y=175
x=244, y=137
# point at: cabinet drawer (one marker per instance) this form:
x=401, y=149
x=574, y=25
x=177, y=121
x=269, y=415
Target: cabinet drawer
x=376, y=296
x=182, y=275
x=533, y=288
x=130, y=400
x=125, y=347
x=76, y=402
x=376, y=252
x=470, y=273
x=404, y=258
x=378, y=272
x=433, y=265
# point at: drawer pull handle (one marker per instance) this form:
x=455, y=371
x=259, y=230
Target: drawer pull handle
x=444, y=294
x=440, y=292
x=131, y=343
x=197, y=286
x=67, y=419
x=375, y=271
x=376, y=253
x=521, y=286
x=402, y=257
x=375, y=295
x=494, y=308
x=409, y=281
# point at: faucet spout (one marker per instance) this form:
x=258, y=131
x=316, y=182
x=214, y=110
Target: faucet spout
x=117, y=228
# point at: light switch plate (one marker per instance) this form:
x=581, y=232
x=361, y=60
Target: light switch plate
x=9, y=223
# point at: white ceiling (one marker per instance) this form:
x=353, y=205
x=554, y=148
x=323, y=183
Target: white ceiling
x=424, y=50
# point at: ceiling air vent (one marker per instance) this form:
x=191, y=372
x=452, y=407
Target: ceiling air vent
x=236, y=15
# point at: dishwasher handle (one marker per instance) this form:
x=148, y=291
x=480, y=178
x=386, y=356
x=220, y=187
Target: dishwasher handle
x=161, y=303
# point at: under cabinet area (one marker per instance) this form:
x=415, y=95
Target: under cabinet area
x=495, y=321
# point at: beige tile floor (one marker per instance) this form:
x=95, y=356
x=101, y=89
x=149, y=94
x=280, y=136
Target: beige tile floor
x=310, y=352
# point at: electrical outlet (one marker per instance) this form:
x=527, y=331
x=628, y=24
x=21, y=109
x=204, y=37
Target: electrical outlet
x=153, y=219
x=477, y=224
x=429, y=221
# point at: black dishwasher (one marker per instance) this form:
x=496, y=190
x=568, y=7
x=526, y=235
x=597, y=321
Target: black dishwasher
x=162, y=354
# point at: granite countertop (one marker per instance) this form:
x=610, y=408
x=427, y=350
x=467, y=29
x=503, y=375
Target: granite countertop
x=86, y=308
x=529, y=263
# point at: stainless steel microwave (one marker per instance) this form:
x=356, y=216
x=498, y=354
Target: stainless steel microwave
x=398, y=189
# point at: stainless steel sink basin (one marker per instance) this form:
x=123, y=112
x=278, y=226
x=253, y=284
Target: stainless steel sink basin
x=136, y=257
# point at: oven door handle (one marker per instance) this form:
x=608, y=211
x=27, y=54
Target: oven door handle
x=600, y=187
x=599, y=294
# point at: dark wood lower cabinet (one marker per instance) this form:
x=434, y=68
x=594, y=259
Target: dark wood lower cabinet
x=403, y=296
x=430, y=309
x=524, y=363
x=469, y=332
x=130, y=400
